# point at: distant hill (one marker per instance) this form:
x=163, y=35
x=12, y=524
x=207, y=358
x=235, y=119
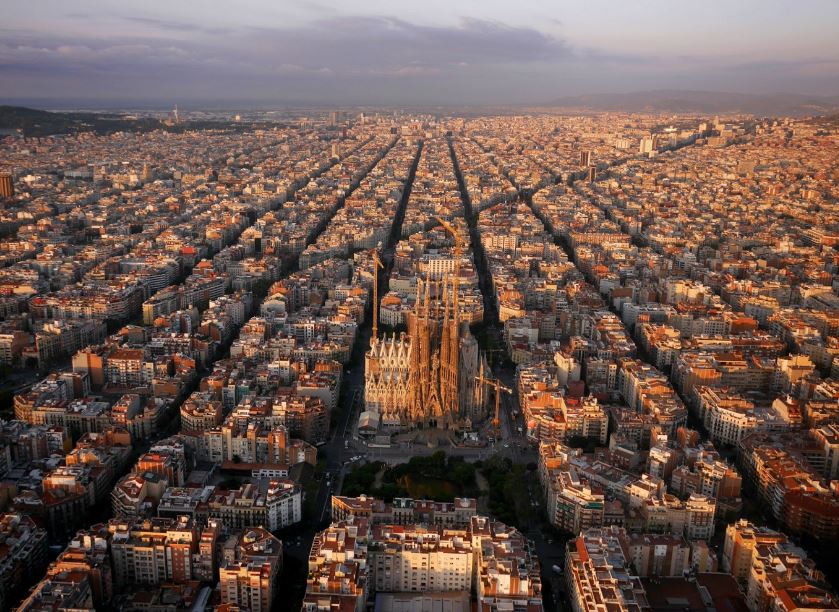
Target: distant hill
x=826, y=121
x=701, y=102
x=34, y=122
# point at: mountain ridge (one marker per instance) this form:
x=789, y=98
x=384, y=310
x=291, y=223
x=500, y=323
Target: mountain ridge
x=700, y=101
x=37, y=122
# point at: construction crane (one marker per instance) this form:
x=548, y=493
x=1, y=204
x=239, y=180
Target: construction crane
x=496, y=384
x=458, y=243
x=377, y=264
x=458, y=251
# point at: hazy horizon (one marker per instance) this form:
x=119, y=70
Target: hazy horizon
x=397, y=53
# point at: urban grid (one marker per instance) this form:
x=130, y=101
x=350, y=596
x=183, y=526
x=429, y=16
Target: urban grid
x=406, y=361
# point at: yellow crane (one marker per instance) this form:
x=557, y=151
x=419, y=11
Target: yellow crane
x=377, y=264
x=496, y=384
x=458, y=251
x=458, y=243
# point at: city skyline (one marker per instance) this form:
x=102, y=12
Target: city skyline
x=376, y=306
x=400, y=53
x=223, y=382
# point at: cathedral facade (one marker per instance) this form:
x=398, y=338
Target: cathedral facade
x=428, y=377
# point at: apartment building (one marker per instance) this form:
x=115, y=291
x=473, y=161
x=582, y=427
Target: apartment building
x=269, y=503
x=251, y=565
x=153, y=550
x=573, y=504
x=24, y=547
x=410, y=558
x=352, y=559
x=598, y=575
x=405, y=511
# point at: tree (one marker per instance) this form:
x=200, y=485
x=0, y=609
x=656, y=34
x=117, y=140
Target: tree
x=462, y=474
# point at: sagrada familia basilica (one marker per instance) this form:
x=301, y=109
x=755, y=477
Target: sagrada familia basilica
x=429, y=377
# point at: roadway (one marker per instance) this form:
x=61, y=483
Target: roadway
x=340, y=445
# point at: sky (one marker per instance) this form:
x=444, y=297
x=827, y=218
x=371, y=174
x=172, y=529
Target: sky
x=391, y=52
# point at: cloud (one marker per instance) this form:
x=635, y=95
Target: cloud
x=174, y=26
x=773, y=65
x=335, y=58
x=358, y=45
x=349, y=46
x=358, y=57
x=78, y=56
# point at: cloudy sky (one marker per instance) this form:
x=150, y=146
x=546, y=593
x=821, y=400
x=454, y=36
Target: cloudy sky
x=418, y=52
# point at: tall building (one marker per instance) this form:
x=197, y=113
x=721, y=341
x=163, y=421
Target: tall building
x=507, y=571
x=352, y=559
x=413, y=557
x=24, y=553
x=7, y=185
x=206, y=566
x=68, y=590
x=741, y=540
x=272, y=504
x=337, y=577
x=598, y=575
x=574, y=504
x=153, y=551
x=88, y=553
x=428, y=377
x=774, y=573
x=250, y=570
x=648, y=144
